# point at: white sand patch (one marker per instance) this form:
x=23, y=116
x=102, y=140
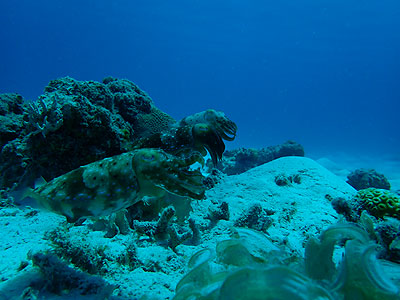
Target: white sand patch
x=22, y=231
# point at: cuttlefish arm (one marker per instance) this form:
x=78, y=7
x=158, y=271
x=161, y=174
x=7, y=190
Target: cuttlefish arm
x=203, y=132
x=217, y=120
x=209, y=129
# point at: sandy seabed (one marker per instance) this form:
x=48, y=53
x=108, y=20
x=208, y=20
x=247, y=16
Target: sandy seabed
x=298, y=211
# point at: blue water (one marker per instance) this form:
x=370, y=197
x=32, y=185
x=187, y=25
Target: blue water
x=322, y=72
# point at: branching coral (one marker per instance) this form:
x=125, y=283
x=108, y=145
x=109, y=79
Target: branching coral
x=165, y=230
x=114, y=224
x=45, y=115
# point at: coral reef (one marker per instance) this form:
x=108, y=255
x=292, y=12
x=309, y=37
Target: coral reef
x=388, y=235
x=153, y=122
x=11, y=117
x=45, y=117
x=385, y=231
x=156, y=229
x=367, y=178
x=73, y=123
x=242, y=159
x=379, y=203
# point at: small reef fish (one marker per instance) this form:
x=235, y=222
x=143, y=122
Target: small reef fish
x=106, y=186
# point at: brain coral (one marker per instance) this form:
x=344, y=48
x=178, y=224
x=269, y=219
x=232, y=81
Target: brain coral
x=153, y=122
x=379, y=202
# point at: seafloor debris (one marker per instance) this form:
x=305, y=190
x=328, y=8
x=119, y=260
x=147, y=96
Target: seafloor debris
x=59, y=278
x=213, y=178
x=82, y=255
x=255, y=217
x=116, y=223
x=283, y=180
x=220, y=212
x=346, y=208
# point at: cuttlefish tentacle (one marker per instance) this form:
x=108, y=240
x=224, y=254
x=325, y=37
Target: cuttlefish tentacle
x=210, y=128
x=111, y=184
x=203, y=132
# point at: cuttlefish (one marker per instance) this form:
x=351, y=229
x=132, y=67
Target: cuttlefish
x=106, y=186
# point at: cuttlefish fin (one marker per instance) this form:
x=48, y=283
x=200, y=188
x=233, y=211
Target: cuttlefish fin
x=26, y=196
x=29, y=192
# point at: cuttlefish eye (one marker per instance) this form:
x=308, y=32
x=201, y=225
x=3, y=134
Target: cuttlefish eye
x=148, y=157
x=201, y=128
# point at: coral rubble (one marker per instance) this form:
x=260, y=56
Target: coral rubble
x=59, y=278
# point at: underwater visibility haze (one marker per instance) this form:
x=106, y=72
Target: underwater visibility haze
x=323, y=73
x=198, y=149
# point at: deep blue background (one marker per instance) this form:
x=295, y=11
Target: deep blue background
x=324, y=73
